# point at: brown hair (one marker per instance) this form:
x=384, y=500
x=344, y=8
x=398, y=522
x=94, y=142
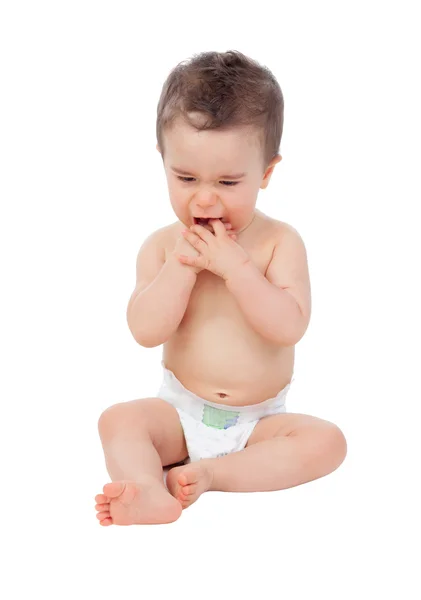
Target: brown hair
x=230, y=90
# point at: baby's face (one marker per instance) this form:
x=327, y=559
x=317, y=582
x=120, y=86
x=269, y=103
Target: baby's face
x=214, y=173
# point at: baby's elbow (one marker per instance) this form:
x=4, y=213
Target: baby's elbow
x=293, y=335
x=300, y=328
x=144, y=341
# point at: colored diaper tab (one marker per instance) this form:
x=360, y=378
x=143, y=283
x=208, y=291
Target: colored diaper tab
x=219, y=418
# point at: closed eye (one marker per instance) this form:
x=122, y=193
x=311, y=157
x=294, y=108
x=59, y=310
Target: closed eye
x=189, y=179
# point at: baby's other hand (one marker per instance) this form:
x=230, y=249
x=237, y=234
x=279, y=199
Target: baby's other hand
x=182, y=246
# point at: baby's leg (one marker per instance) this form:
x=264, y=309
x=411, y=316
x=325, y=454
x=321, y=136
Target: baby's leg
x=138, y=438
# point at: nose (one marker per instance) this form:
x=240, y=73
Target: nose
x=204, y=200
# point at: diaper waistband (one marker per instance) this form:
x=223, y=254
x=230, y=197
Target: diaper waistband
x=180, y=397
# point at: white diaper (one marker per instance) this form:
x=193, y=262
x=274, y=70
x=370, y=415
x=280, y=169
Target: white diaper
x=213, y=429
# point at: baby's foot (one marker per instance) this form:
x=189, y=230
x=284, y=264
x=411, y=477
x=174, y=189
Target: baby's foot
x=130, y=502
x=188, y=482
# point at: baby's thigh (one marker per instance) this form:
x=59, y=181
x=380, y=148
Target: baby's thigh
x=157, y=418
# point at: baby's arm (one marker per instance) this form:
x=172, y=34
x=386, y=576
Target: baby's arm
x=278, y=304
x=161, y=296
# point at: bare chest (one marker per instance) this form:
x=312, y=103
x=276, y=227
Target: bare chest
x=216, y=354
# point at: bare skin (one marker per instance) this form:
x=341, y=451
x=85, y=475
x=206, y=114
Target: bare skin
x=279, y=445
x=141, y=502
x=151, y=430
x=136, y=502
x=187, y=483
x=261, y=369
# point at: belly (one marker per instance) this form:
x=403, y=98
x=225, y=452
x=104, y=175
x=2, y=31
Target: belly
x=223, y=360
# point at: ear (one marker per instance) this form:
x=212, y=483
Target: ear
x=269, y=171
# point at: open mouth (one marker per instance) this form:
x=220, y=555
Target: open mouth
x=203, y=222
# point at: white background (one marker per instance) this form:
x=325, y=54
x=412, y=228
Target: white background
x=82, y=186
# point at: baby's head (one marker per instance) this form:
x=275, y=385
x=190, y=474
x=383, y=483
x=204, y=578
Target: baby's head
x=219, y=129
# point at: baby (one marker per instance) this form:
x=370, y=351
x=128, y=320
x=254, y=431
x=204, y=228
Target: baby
x=226, y=290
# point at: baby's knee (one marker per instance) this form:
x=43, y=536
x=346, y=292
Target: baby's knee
x=336, y=445
x=110, y=417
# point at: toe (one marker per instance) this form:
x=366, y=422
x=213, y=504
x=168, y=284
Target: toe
x=182, y=479
x=188, y=477
x=101, y=498
x=102, y=507
x=113, y=490
x=103, y=515
x=107, y=521
x=188, y=489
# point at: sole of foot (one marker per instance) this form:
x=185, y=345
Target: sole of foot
x=136, y=502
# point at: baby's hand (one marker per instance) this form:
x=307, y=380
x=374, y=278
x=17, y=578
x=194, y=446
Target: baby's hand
x=218, y=252
x=183, y=247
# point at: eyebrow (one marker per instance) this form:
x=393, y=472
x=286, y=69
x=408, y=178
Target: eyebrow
x=232, y=176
